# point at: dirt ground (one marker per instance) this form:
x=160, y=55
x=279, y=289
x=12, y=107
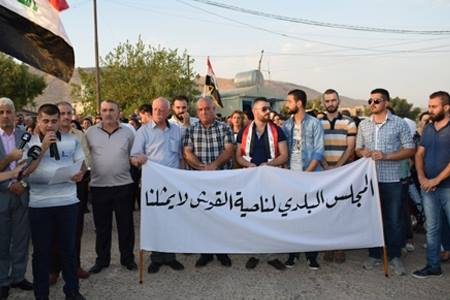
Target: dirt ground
x=332, y=281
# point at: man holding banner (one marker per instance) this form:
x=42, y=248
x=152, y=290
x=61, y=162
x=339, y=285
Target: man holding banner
x=159, y=141
x=305, y=142
x=261, y=143
x=208, y=145
x=386, y=139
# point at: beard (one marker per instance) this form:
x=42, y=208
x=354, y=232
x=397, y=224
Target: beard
x=293, y=110
x=180, y=116
x=331, y=109
x=437, y=117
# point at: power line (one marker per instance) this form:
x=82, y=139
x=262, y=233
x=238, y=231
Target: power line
x=321, y=24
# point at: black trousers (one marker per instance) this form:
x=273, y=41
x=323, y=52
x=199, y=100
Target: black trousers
x=82, y=194
x=105, y=201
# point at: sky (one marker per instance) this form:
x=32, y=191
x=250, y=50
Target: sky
x=410, y=66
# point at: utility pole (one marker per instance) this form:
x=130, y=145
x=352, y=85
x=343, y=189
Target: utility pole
x=97, y=67
x=188, y=67
x=260, y=60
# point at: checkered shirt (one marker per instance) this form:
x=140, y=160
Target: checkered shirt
x=208, y=143
x=392, y=135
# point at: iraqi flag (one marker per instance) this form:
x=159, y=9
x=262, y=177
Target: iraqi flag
x=31, y=31
x=211, y=84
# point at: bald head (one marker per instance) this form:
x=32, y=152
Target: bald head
x=160, y=110
x=161, y=101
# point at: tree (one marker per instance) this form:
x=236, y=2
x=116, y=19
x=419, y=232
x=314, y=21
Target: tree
x=316, y=104
x=18, y=84
x=135, y=74
x=404, y=109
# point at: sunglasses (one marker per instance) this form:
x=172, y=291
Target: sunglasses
x=265, y=108
x=375, y=101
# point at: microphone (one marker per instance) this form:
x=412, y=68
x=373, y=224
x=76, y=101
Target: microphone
x=24, y=139
x=54, y=148
x=33, y=153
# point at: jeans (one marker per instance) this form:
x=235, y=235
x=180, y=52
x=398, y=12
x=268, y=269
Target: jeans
x=393, y=226
x=433, y=204
x=445, y=233
x=43, y=222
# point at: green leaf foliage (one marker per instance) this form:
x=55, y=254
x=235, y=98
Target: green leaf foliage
x=136, y=74
x=17, y=83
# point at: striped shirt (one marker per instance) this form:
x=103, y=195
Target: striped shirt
x=335, y=136
x=208, y=143
x=387, y=137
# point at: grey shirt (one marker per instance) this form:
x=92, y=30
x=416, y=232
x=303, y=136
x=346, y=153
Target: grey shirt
x=160, y=146
x=110, y=155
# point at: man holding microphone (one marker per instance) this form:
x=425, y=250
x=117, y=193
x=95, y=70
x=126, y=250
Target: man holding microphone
x=54, y=204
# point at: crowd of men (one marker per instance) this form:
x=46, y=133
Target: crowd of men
x=107, y=155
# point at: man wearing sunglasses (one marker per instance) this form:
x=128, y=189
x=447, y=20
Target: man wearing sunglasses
x=262, y=143
x=386, y=139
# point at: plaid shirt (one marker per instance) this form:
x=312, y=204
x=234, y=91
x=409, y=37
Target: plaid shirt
x=208, y=143
x=387, y=137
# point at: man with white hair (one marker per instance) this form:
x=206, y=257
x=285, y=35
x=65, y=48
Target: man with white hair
x=14, y=228
x=159, y=141
x=208, y=146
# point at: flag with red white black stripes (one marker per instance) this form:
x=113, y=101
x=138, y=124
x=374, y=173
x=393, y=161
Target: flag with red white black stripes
x=211, y=84
x=31, y=31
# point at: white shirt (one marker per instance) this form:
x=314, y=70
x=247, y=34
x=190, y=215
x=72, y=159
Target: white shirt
x=43, y=194
x=296, y=154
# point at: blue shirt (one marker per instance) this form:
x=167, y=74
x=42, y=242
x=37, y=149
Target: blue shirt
x=387, y=137
x=312, y=140
x=261, y=151
x=437, y=151
x=162, y=146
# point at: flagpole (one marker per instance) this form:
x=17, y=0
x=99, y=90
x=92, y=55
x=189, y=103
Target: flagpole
x=97, y=67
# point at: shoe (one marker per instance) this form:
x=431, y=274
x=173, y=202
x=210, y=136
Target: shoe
x=82, y=274
x=410, y=247
x=371, y=263
x=339, y=257
x=97, y=268
x=291, y=260
x=203, y=261
x=175, y=265
x=328, y=256
x=398, y=266
x=277, y=264
x=312, y=264
x=154, y=268
x=4, y=292
x=75, y=296
x=23, y=285
x=251, y=263
x=445, y=256
x=224, y=260
x=427, y=272
x=53, y=278
x=131, y=266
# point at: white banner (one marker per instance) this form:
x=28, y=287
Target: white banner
x=260, y=210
